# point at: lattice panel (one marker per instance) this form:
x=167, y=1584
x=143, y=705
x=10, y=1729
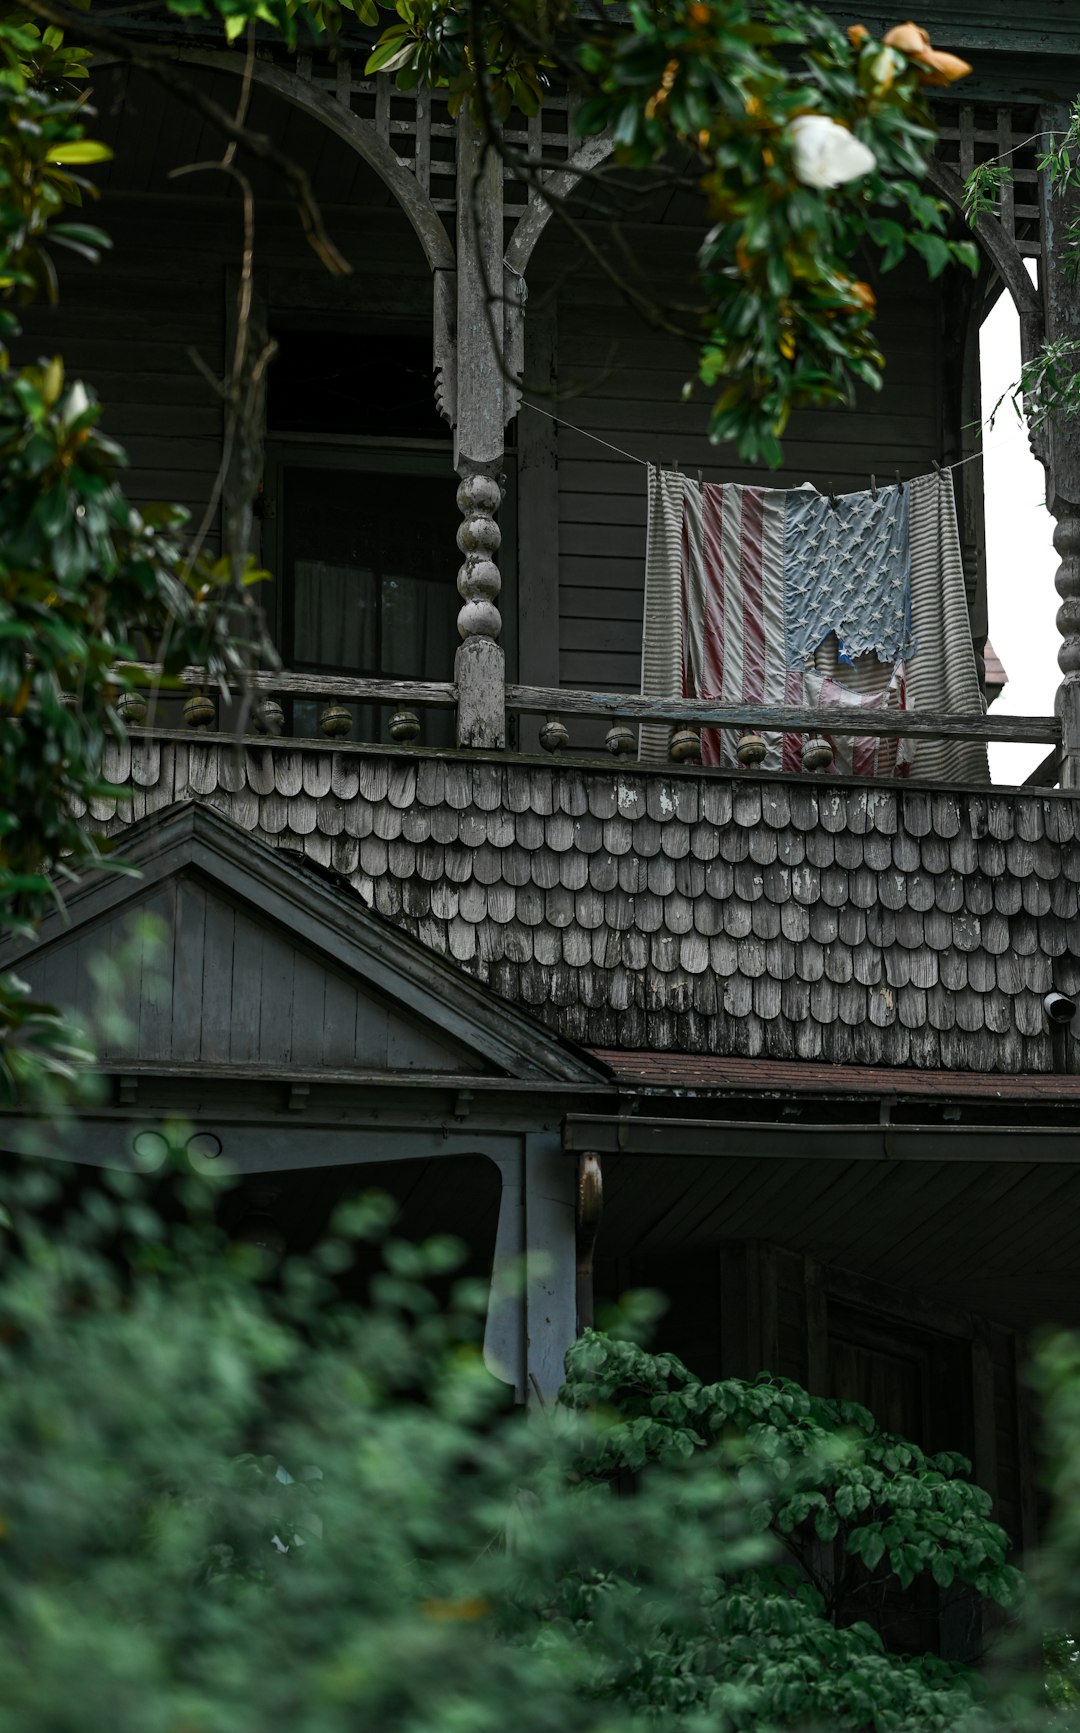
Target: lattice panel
x=422, y=135
x=978, y=132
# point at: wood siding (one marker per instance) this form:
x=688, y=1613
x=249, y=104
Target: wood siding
x=133, y=325
x=189, y=977
x=688, y=912
x=634, y=379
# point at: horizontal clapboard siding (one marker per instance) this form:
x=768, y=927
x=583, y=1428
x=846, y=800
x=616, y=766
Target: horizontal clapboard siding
x=631, y=383
x=1039, y=27
x=215, y=985
x=129, y=327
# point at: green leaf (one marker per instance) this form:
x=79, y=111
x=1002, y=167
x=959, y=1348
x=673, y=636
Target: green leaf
x=942, y=1569
x=79, y=150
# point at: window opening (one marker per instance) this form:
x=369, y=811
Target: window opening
x=368, y=569
x=378, y=384
x=361, y=491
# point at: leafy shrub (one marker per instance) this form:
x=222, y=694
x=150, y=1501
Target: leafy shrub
x=232, y=1501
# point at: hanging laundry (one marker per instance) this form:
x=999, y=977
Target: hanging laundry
x=780, y=597
x=846, y=569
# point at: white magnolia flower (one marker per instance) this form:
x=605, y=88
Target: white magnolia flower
x=826, y=154
x=75, y=401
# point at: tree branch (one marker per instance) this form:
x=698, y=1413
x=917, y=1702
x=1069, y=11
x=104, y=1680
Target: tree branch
x=157, y=66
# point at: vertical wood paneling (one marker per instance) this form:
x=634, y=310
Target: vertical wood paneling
x=189, y=935
x=153, y=943
x=339, y=1021
x=246, y=989
x=632, y=398
x=216, y=1012
x=228, y=988
x=276, y=1003
x=309, y=993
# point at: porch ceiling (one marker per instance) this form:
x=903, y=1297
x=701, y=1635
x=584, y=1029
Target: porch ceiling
x=1001, y=1239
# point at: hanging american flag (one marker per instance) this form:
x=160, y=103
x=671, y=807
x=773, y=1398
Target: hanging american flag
x=789, y=598
x=778, y=596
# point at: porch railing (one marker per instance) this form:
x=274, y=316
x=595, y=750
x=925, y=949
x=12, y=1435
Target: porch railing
x=257, y=710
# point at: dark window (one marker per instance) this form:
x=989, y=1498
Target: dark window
x=340, y=382
x=361, y=489
x=368, y=565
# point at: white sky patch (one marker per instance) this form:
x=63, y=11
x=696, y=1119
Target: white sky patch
x=1020, y=557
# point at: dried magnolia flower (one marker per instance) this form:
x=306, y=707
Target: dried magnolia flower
x=825, y=153
x=935, y=66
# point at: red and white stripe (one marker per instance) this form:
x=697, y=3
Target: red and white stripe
x=734, y=636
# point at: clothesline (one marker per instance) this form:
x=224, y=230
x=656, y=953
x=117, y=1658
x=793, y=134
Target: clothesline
x=560, y=420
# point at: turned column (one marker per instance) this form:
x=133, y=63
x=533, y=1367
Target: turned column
x=1061, y=307
x=1067, y=584
x=479, y=667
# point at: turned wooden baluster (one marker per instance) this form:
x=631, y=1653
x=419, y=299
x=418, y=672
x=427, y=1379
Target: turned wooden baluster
x=1067, y=584
x=479, y=667
x=1060, y=207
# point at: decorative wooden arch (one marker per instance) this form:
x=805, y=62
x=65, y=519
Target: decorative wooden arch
x=995, y=243
x=359, y=134
x=945, y=181
x=534, y=220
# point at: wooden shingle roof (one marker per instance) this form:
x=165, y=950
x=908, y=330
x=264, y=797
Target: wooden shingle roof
x=687, y=912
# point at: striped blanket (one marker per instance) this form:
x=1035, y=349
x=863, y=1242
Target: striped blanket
x=771, y=596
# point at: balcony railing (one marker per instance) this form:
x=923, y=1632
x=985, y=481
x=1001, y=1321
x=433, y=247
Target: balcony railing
x=258, y=711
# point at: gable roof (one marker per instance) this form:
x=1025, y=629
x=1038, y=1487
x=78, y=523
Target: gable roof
x=268, y=964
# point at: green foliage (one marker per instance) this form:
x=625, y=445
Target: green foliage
x=983, y=188
x=872, y=1496
x=231, y=1499
x=789, y=320
x=41, y=137
x=86, y=581
x=1048, y=389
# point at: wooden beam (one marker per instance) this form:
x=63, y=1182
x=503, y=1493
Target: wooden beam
x=1060, y=208
x=479, y=666
x=438, y=692
x=725, y=1140
x=984, y=1417
x=538, y=523
x=901, y=724
x=1046, y=772
x=817, y=1328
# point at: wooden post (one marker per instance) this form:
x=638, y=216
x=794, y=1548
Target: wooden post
x=538, y=527
x=984, y=1413
x=1062, y=321
x=590, y=1203
x=479, y=667
x=504, y=1332
x=551, y=1254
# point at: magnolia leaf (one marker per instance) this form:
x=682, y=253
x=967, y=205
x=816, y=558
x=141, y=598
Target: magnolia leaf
x=79, y=150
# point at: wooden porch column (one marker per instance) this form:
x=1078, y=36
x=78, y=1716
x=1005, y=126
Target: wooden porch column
x=479, y=666
x=1062, y=320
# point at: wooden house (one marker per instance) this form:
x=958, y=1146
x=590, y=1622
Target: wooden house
x=798, y=1023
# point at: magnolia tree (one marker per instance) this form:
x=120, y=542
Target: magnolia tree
x=804, y=140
